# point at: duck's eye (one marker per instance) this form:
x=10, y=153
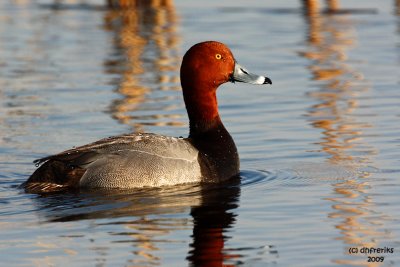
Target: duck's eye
x=218, y=56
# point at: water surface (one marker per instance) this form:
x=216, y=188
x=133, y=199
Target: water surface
x=319, y=148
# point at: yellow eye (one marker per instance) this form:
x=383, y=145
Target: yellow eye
x=218, y=56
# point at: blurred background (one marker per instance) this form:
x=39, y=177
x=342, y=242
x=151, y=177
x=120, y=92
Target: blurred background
x=319, y=148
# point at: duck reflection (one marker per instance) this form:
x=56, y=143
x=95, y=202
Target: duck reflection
x=339, y=86
x=146, y=217
x=211, y=223
x=145, y=59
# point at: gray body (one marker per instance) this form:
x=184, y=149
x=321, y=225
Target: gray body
x=125, y=161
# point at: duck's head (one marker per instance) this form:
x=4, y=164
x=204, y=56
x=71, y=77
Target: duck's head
x=206, y=66
x=211, y=64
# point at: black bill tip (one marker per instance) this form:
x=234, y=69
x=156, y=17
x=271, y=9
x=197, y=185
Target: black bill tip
x=267, y=81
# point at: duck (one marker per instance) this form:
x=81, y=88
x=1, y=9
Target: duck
x=137, y=160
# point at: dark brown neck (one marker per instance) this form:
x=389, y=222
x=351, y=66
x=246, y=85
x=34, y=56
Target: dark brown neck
x=209, y=136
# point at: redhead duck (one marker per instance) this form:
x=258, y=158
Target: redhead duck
x=135, y=160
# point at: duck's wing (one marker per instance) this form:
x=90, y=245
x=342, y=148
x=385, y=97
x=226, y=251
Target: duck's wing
x=82, y=155
x=65, y=170
x=130, y=160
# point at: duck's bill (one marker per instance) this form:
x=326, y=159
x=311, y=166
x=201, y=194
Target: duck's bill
x=240, y=74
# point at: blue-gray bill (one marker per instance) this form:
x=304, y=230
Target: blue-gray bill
x=240, y=74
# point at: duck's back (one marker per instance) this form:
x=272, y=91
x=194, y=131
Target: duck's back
x=125, y=161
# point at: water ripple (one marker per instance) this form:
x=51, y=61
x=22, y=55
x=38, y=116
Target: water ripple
x=300, y=173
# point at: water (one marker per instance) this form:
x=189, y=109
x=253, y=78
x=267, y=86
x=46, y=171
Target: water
x=319, y=148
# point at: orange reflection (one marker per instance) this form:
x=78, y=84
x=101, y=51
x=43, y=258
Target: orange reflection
x=333, y=5
x=312, y=6
x=147, y=58
x=339, y=85
x=397, y=12
x=329, y=37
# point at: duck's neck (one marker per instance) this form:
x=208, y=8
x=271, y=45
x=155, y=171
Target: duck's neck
x=202, y=108
x=209, y=135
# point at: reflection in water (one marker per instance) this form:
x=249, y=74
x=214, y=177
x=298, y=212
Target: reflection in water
x=146, y=60
x=313, y=6
x=211, y=222
x=329, y=37
x=145, y=216
x=397, y=7
x=397, y=12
